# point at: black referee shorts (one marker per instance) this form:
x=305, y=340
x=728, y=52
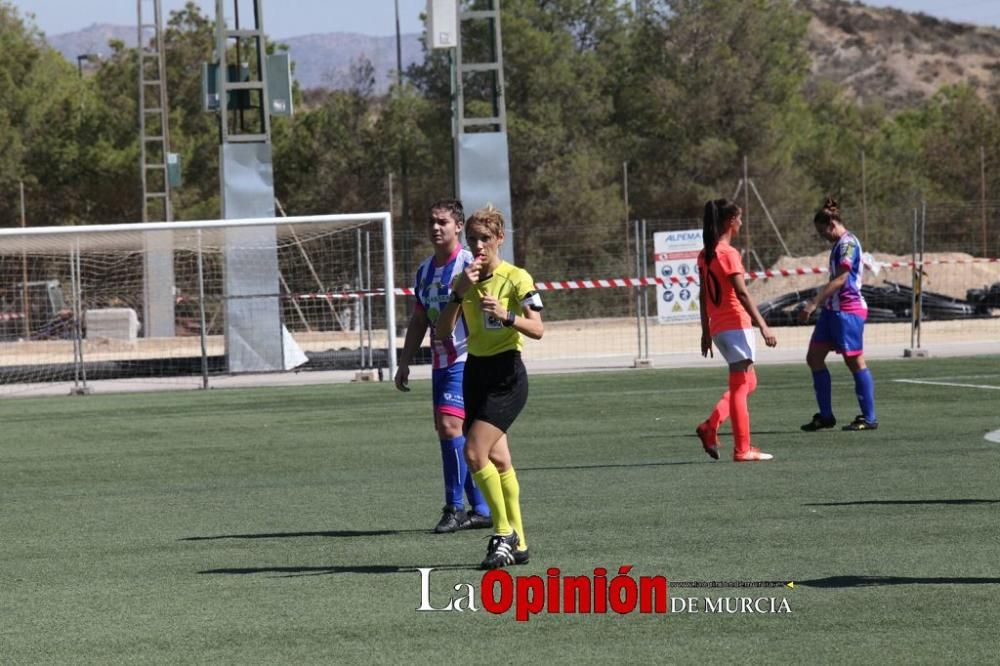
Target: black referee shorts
x=495, y=389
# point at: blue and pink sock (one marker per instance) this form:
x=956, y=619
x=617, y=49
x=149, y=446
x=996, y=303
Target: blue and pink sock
x=864, y=388
x=823, y=385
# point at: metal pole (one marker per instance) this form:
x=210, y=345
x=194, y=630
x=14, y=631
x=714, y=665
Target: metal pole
x=625, y=190
x=360, y=304
x=403, y=161
x=638, y=295
x=923, y=235
x=746, y=207
x=645, y=294
x=777, y=232
x=399, y=50
x=914, y=282
x=390, y=293
x=455, y=129
x=294, y=301
x=982, y=195
x=391, y=210
x=78, y=317
x=76, y=321
x=284, y=283
x=201, y=315
x=368, y=298
x=239, y=60
x=24, y=273
x=864, y=199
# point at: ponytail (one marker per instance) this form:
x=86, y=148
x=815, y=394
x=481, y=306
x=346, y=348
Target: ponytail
x=710, y=229
x=717, y=212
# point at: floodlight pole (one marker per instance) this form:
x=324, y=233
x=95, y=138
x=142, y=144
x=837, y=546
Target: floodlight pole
x=159, y=311
x=403, y=161
x=482, y=154
x=254, y=332
x=154, y=107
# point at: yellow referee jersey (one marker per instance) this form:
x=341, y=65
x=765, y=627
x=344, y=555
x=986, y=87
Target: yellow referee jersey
x=515, y=290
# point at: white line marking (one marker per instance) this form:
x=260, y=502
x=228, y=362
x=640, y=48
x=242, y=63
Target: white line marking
x=989, y=376
x=992, y=436
x=922, y=381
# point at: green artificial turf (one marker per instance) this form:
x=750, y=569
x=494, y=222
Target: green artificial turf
x=287, y=525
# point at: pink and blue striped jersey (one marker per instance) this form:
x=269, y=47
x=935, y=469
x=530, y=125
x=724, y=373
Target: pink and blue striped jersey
x=433, y=290
x=846, y=252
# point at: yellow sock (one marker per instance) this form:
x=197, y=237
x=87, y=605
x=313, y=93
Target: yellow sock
x=512, y=502
x=488, y=480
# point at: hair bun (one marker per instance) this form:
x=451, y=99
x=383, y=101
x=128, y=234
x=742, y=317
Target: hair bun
x=831, y=205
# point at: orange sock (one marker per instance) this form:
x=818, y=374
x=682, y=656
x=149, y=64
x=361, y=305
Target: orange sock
x=720, y=413
x=740, y=384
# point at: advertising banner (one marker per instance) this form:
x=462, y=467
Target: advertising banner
x=676, y=256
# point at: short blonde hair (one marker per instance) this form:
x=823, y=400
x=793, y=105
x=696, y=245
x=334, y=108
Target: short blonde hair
x=489, y=218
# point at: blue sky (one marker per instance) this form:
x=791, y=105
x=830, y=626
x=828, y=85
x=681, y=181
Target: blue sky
x=290, y=18
x=983, y=12
x=282, y=18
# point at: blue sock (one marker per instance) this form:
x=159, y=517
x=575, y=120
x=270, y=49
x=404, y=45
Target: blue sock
x=823, y=386
x=453, y=463
x=864, y=387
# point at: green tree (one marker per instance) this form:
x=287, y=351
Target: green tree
x=189, y=41
x=707, y=83
x=565, y=153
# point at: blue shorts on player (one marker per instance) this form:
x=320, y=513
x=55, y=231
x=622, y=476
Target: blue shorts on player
x=843, y=331
x=446, y=385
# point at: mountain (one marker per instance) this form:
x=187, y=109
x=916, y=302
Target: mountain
x=325, y=60
x=321, y=61
x=895, y=56
x=874, y=53
x=91, y=40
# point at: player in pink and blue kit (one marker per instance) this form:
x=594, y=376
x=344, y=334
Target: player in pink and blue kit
x=433, y=290
x=841, y=324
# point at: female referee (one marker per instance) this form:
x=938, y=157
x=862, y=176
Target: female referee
x=501, y=306
x=728, y=314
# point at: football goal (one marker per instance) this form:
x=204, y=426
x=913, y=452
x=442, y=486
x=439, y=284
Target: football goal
x=182, y=302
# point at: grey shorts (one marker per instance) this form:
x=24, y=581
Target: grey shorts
x=737, y=345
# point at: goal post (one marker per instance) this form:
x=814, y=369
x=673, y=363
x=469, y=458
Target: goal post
x=238, y=296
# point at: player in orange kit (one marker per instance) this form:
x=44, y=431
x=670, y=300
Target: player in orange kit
x=728, y=315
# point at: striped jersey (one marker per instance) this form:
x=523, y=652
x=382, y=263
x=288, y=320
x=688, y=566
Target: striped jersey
x=846, y=253
x=433, y=290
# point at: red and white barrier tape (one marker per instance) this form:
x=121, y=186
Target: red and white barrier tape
x=614, y=283
x=934, y=262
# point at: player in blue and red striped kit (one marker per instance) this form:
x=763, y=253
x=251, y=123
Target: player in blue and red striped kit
x=448, y=354
x=841, y=324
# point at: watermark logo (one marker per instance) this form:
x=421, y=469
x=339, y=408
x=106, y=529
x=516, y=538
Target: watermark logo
x=598, y=592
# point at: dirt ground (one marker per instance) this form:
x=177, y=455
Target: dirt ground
x=950, y=279
x=594, y=338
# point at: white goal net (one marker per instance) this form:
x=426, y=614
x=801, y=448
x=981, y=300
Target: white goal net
x=182, y=302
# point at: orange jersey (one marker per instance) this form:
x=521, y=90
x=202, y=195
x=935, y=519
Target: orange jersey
x=725, y=312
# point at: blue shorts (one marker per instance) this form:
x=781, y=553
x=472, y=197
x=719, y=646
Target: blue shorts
x=446, y=385
x=843, y=331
